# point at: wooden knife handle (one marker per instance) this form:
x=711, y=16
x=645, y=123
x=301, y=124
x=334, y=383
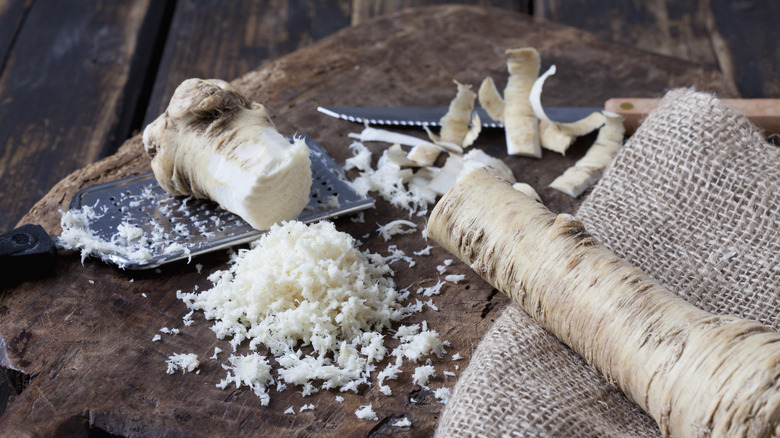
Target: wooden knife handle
x=763, y=112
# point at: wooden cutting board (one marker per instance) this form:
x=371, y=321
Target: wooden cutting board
x=81, y=341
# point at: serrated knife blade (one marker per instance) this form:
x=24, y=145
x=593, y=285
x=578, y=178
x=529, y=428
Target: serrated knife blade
x=431, y=116
x=765, y=113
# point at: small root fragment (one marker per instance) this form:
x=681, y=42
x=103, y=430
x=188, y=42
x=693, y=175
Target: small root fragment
x=454, y=127
x=576, y=179
x=520, y=122
x=490, y=99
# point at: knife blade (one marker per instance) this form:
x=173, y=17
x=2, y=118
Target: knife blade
x=763, y=112
x=431, y=116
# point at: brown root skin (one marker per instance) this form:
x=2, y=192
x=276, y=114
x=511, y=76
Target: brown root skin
x=695, y=373
x=208, y=109
x=211, y=142
x=520, y=122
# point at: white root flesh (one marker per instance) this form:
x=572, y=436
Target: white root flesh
x=695, y=373
x=385, y=136
x=527, y=190
x=425, y=155
x=553, y=139
x=212, y=143
x=535, y=96
x=454, y=127
x=443, y=145
x=490, y=99
x=555, y=136
x=398, y=156
x=474, y=131
x=520, y=122
x=392, y=228
x=457, y=167
x=447, y=175
x=455, y=124
x=592, y=122
x=478, y=159
x=588, y=169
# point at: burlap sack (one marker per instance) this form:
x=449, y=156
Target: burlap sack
x=693, y=199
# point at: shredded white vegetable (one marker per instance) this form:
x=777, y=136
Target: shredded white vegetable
x=443, y=394
x=422, y=374
x=187, y=362
x=309, y=285
x=402, y=423
x=366, y=412
x=396, y=227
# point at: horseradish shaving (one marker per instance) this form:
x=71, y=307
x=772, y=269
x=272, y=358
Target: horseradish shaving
x=186, y=362
x=128, y=241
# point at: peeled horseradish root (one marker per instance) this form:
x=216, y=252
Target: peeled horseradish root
x=212, y=143
x=697, y=374
x=514, y=110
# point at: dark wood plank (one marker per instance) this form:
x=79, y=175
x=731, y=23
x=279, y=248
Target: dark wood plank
x=68, y=92
x=12, y=13
x=750, y=42
x=667, y=27
x=740, y=38
x=363, y=10
x=87, y=331
x=217, y=39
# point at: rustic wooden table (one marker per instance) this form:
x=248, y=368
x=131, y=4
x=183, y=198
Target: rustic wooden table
x=80, y=79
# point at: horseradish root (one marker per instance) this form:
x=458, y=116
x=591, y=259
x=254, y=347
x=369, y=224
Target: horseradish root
x=454, y=127
x=455, y=124
x=212, y=143
x=520, y=123
x=588, y=169
x=556, y=136
x=490, y=99
x=527, y=190
x=527, y=127
x=697, y=374
x=515, y=110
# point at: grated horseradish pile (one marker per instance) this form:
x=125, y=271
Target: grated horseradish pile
x=310, y=286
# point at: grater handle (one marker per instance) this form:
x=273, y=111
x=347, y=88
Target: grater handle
x=26, y=252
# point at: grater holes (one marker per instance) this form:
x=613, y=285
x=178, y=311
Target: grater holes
x=161, y=215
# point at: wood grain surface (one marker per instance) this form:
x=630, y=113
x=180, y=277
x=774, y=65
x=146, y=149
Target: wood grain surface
x=67, y=92
x=12, y=13
x=738, y=37
x=241, y=36
x=84, y=335
x=363, y=10
x=212, y=38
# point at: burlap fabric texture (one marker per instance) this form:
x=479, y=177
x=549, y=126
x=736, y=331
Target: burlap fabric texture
x=693, y=199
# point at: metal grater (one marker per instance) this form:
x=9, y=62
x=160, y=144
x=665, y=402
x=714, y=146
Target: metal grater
x=201, y=225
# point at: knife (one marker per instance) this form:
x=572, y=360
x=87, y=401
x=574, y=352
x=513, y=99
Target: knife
x=763, y=112
x=431, y=116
